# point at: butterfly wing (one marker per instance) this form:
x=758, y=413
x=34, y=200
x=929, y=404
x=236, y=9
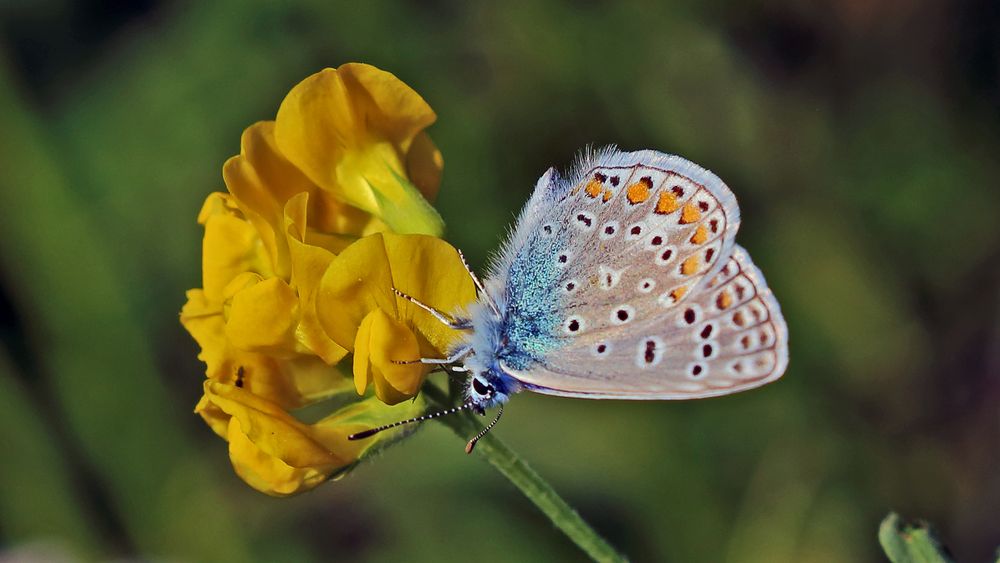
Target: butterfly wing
x=613, y=277
x=727, y=337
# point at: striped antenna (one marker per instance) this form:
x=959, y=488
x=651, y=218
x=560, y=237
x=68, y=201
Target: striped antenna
x=472, y=442
x=373, y=431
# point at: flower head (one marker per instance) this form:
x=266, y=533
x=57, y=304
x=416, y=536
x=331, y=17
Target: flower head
x=346, y=159
x=359, y=310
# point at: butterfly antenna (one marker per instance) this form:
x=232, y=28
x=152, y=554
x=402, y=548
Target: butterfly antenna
x=472, y=442
x=373, y=431
x=479, y=286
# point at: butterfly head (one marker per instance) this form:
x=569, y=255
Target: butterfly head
x=485, y=390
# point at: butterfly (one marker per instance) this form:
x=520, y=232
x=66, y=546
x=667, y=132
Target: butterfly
x=622, y=280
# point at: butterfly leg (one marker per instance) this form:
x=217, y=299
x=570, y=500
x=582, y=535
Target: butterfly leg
x=457, y=324
x=479, y=286
x=458, y=355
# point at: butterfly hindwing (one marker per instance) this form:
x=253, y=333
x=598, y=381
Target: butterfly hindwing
x=728, y=337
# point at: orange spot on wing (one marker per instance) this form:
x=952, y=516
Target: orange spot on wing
x=607, y=196
x=690, y=214
x=666, y=203
x=639, y=191
x=678, y=293
x=690, y=265
x=593, y=188
x=724, y=300
x=700, y=235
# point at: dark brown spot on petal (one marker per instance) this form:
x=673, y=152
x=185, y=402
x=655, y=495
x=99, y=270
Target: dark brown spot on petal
x=745, y=342
x=667, y=254
x=609, y=230
x=714, y=225
x=600, y=177
x=656, y=241
x=636, y=230
x=614, y=180
x=574, y=325
x=547, y=229
x=707, y=331
x=703, y=205
x=709, y=254
x=601, y=348
x=677, y=191
x=706, y=350
x=689, y=316
x=584, y=219
x=570, y=286
x=622, y=315
x=738, y=319
x=696, y=370
x=563, y=258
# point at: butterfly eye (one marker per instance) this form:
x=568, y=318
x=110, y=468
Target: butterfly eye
x=480, y=387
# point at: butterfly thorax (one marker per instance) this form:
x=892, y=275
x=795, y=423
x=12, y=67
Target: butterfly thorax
x=493, y=351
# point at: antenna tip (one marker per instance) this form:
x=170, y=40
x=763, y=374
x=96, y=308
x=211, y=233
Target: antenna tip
x=469, y=446
x=363, y=435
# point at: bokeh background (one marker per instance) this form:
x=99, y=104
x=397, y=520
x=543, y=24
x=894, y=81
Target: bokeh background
x=862, y=139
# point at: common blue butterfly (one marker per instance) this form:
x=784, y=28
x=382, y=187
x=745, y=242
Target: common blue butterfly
x=621, y=281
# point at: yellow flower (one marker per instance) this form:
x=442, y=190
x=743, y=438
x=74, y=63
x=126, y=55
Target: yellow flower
x=346, y=157
x=277, y=454
x=359, y=311
x=357, y=132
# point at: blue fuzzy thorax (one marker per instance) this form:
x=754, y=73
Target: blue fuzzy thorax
x=530, y=320
x=525, y=331
x=521, y=285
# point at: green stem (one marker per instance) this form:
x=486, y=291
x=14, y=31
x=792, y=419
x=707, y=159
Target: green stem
x=529, y=482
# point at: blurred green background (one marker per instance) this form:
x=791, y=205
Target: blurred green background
x=862, y=140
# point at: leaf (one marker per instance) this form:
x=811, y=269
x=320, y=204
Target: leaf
x=910, y=542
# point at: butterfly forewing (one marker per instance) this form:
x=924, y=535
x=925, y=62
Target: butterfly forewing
x=633, y=236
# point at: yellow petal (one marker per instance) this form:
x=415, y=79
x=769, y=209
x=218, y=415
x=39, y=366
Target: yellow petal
x=274, y=431
x=230, y=247
x=383, y=341
x=203, y=319
x=213, y=416
x=217, y=203
x=361, y=278
x=342, y=109
x=362, y=354
x=263, y=318
x=261, y=181
x=424, y=164
x=264, y=472
x=357, y=282
x=289, y=383
x=430, y=270
x=349, y=130
x=278, y=455
x=308, y=263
